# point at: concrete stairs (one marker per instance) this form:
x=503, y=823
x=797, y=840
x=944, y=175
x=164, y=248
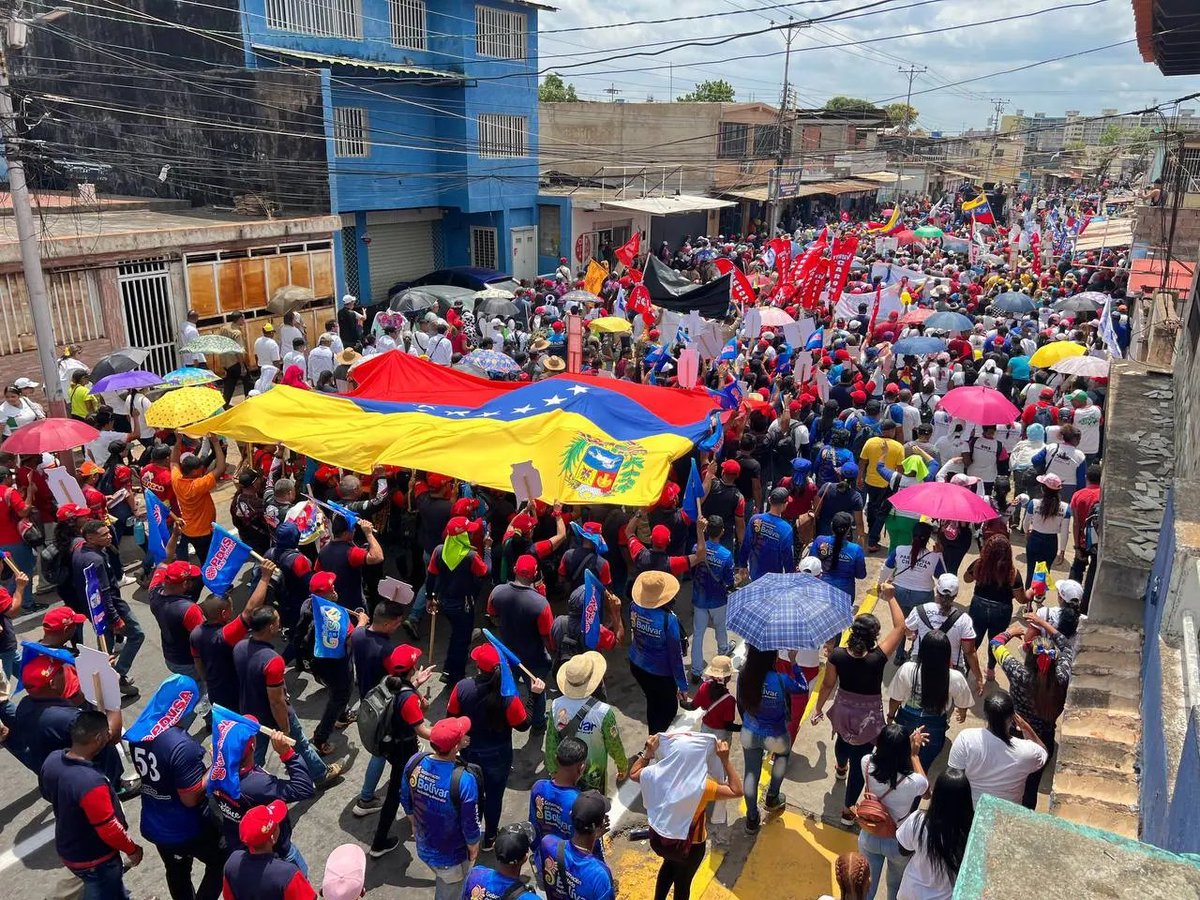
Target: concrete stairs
x=1095, y=778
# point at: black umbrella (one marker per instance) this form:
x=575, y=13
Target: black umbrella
x=1076, y=304
x=124, y=360
x=413, y=300
x=493, y=307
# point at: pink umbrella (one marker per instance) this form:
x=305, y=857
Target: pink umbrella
x=979, y=404
x=904, y=237
x=941, y=500
x=916, y=314
x=50, y=436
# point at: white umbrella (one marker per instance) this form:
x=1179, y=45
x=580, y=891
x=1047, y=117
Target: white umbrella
x=1086, y=366
x=494, y=294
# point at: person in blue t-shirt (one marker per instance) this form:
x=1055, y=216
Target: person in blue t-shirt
x=712, y=580
x=770, y=541
x=551, y=799
x=842, y=560
x=833, y=456
x=570, y=870
x=513, y=843
x=656, y=654
x=841, y=495
x=444, y=807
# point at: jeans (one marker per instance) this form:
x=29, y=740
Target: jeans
x=9, y=660
x=134, y=637
x=875, y=514
x=662, y=698
x=847, y=754
x=312, y=759
x=877, y=850
x=339, y=685
x=935, y=727
x=1039, y=547
x=990, y=618
x=679, y=875
x=103, y=882
x=375, y=769
x=1034, y=780
x=391, y=794
x=178, y=858
x=537, y=702
x=421, y=600
x=448, y=882
x=22, y=556
x=295, y=856
x=910, y=600
x=753, y=748
x=496, y=766
x=701, y=619
x=460, y=616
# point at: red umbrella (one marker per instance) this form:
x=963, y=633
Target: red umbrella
x=916, y=315
x=941, y=500
x=50, y=436
x=979, y=404
x=904, y=237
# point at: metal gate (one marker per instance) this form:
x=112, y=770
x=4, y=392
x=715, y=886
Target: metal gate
x=149, y=314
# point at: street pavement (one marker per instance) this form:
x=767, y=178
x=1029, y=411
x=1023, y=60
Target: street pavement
x=790, y=858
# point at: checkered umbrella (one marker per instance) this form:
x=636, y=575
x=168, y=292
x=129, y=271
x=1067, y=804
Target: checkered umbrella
x=491, y=361
x=789, y=612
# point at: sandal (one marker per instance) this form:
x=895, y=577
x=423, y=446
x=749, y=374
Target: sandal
x=839, y=772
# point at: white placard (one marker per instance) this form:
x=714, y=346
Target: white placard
x=89, y=665
x=526, y=481
x=792, y=334
x=710, y=343
x=64, y=487
x=752, y=323
x=395, y=590
x=802, y=366
x=822, y=386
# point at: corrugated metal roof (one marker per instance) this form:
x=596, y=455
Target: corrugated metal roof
x=374, y=65
x=664, y=206
x=881, y=177
x=758, y=194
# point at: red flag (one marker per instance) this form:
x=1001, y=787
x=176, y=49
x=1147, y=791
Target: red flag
x=628, y=251
x=783, y=255
x=741, y=290
x=841, y=255
x=845, y=216
x=638, y=301
x=808, y=273
x=1035, y=244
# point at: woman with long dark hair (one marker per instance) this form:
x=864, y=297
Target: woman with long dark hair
x=1047, y=526
x=912, y=570
x=997, y=587
x=842, y=560
x=894, y=774
x=937, y=839
x=764, y=698
x=925, y=690
x=856, y=671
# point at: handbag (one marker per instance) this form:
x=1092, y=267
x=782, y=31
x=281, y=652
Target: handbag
x=873, y=817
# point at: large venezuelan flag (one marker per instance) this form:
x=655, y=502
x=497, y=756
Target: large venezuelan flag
x=594, y=440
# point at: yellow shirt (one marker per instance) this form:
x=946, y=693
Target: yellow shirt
x=83, y=404
x=880, y=449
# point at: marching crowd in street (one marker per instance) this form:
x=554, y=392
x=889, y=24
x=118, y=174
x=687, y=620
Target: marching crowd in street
x=819, y=437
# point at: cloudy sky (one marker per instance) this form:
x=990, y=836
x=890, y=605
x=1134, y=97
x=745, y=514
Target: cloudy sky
x=828, y=58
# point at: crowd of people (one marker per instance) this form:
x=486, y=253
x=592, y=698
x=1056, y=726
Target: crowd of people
x=800, y=486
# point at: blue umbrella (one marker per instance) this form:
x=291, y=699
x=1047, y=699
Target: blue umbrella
x=789, y=612
x=190, y=375
x=949, y=321
x=126, y=381
x=919, y=346
x=491, y=361
x=1013, y=302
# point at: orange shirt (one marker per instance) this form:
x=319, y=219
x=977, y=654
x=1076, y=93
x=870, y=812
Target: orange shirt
x=195, y=502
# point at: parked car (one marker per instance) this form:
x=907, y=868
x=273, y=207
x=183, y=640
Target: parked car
x=474, y=278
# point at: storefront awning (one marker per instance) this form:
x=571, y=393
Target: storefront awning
x=880, y=177
x=757, y=194
x=847, y=186
x=394, y=68
x=1113, y=233
x=665, y=206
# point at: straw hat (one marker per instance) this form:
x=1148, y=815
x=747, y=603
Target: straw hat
x=539, y=344
x=720, y=667
x=348, y=357
x=554, y=364
x=580, y=675
x=655, y=589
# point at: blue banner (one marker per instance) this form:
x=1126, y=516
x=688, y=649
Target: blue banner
x=351, y=518
x=95, y=602
x=593, y=601
x=230, y=734
x=226, y=556
x=172, y=703
x=331, y=625
x=693, y=493
x=31, y=650
x=158, y=532
x=508, y=659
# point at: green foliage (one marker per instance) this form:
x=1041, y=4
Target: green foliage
x=901, y=114
x=853, y=104
x=554, y=90
x=715, y=91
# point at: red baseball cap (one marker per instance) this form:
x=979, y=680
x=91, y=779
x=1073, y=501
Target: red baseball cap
x=457, y=525
x=526, y=567
x=660, y=536
x=436, y=480
x=71, y=511
x=731, y=467
x=841, y=355
x=1047, y=393
x=523, y=522
x=669, y=492
x=596, y=527
x=326, y=473
x=447, y=733
x=180, y=571
x=892, y=389
x=464, y=506
x=62, y=618
x=322, y=581
x=486, y=657
x=260, y=822
x=402, y=659
x=858, y=396
x=39, y=672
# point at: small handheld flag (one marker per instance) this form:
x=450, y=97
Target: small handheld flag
x=158, y=532
x=350, y=517
x=593, y=594
x=508, y=659
x=980, y=209
x=331, y=626
x=95, y=602
x=693, y=493
x=231, y=733
x=226, y=556
x=172, y=703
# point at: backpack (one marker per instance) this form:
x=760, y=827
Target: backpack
x=873, y=817
x=945, y=627
x=375, y=717
x=925, y=407
x=1091, y=528
x=1042, y=416
x=56, y=566
x=455, y=777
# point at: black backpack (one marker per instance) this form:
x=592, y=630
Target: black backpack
x=376, y=716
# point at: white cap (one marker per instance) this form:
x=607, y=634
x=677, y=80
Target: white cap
x=811, y=565
x=23, y=384
x=1069, y=591
x=947, y=584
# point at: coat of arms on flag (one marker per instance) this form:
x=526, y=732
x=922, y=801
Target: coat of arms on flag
x=600, y=468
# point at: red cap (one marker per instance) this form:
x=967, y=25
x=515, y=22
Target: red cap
x=486, y=657
x=71, y=511
x=62, y=619
x=892, y=389
x=447, y=733
x=858, y=396
x=526, y=567
x=180, y=571
x=401, y=659
x=731, y=467
x=796, y=405
x=1047, y=393
x=841, y=355
x=260, y=822
x=436, y=480
x=523, y=522
x=39, y=672
x=660, y=536
x=893, y=315
x=322, y=581
x=556, y=326
x=464, y=506
x=328, y=474
x=596, y=527
x=653, y=334
x=457, y=525
x=669, y=492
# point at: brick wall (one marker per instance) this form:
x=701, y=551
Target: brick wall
x=26, y=365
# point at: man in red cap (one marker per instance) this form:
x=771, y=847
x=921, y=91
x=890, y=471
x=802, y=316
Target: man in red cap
x=523, y=619
x=177, y=614
x=453, y=577
x=433, y=500
x=722, y=498
x=655, y=558
x=257, y=873
x=518, y=539
x=1042, y=411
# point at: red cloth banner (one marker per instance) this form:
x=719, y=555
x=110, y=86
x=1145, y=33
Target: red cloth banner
x=741, y=290
x=628, y=251
x=841, y=255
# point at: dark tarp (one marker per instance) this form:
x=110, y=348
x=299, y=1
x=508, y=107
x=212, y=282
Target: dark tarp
x=674, y=291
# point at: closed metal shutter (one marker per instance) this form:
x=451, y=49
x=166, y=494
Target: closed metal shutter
x=398, y=252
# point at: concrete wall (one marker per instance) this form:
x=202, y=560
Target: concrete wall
x=1187, y=389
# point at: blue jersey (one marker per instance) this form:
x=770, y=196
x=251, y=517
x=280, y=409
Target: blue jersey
x=443, y=830
x=656, y=646
x=487, y=884
x=771, y=717
x=850, y=565
x=168, y=764
x=712, y=580
x=768, y=547
x=579, y=877
x=550, y=813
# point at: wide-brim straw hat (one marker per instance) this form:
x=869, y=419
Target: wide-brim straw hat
x=719, y=667
x=655, y=589
x=579, y=676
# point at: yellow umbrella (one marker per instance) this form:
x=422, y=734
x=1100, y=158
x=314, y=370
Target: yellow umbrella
x=611, y=325
x=1056, y=351
x=184, y=406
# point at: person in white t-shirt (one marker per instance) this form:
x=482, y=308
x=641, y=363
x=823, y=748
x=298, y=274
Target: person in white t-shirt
x=266, y=350
x=1088, y=418
x=1070, y=596
x=187, y=334
x=937, y=840
x=926, y=690
x=941, y=615
x=911, y=568
x=996, y=762
x=981, y=455
x=296, y=356
x=894, y=774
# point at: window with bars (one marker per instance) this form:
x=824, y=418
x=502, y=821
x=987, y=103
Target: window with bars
x=408, y=23
x=767, y=140
x=731, y=142
x=1186, y=159
x=324, y=18
x=503, y=136
x=499, y=33
x=351, y=137
x=483, y=247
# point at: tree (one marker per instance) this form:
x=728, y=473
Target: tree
x=853, y=104
x=718, y=91
x=901, y=115
x=554, y=90
x=1133, y=142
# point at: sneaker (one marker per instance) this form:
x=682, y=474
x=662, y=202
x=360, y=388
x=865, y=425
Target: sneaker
x=129, y=691
x=367, y=807
x=848, y=817
x=333, y=772
x=775, y=805
x=346, y=721
x=126, y=581
x=488, y=843
x=378, y=850
x=752, y=825
x=695, y=678
x=203, y=708
x=410, y=628
x=445, y=678
x=130, y=788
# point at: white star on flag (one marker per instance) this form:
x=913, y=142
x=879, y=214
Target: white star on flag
x=555, y=400
x=459, y=412
x=488, y=415
x=523, y=409
x=578, y=389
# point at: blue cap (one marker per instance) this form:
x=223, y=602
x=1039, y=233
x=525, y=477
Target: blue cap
x=849, y=470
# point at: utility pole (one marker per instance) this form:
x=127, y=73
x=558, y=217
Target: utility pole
x=773, y=212
x=912, y=72
x=612, y=90
x=27, y=235
x=999, y=103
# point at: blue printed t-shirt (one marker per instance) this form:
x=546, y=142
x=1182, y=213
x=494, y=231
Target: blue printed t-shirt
x=656, y=645
x=583, y=877
x=442, y=831
x=771, y=717
x=851, y=563
x=169, y=763
x=487, y=884
x=768, y=546
x=1018, y=368
x=550, y=813
x=712, y=580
